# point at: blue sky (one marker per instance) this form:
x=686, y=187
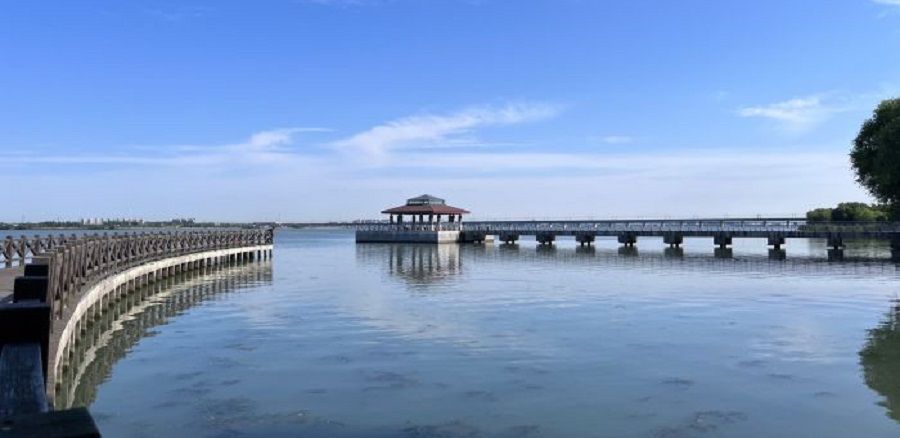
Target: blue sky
x=329, y=109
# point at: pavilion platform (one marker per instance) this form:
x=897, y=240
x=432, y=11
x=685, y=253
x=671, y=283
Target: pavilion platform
x=395, y=235
x=423, y=219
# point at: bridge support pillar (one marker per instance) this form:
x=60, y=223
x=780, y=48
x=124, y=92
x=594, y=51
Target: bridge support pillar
x=509, y=238
x=722, y=240
x=776, y=240
x=545, y=238
x=473, y=236
x=835, y=241
x=585, y=238
x=628, y=238
x=674, y=240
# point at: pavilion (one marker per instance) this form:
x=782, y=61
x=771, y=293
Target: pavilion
x=423, y=219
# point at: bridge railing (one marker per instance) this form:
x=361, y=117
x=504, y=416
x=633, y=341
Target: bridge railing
x=687, y=226
x=17, y=251
x=80, y=262
x=641, y=226
x=61, y=269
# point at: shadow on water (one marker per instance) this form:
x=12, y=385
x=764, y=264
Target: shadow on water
x=109, y=338
x=880, y=361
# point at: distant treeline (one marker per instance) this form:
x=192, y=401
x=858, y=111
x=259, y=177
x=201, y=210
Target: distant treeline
x=851, y=212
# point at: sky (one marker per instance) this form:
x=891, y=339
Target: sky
x=313, y=110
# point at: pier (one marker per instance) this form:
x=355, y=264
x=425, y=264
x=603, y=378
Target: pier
x=721, y=232
x=54, y=290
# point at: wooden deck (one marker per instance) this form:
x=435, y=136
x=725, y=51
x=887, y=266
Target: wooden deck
x=7, y=279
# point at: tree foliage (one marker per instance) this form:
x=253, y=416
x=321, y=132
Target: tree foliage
x=849, y=212
x=876, y=153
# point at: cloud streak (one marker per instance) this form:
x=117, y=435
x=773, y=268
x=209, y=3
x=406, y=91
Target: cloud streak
x=264, y=147
x=424, y=131
x=795, y=114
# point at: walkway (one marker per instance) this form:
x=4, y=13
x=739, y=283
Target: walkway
x=7, y=279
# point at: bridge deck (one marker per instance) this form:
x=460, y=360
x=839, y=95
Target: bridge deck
x=7, y=279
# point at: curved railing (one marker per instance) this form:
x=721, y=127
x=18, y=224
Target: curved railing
x=67, y=280
x=81, y=262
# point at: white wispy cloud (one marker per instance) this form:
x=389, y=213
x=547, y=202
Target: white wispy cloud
x=888, y=2
x=795, y=114
x=429, y=130
x=800, y=114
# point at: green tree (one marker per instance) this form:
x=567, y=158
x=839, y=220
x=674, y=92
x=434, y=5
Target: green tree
x=819, y=215
x=857, y=212
x=876, y=153
x=849, y=212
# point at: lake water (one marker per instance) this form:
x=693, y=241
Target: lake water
x=336, y=339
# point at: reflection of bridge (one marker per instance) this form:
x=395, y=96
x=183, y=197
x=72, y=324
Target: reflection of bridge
x=422, y=265
x=106, y=340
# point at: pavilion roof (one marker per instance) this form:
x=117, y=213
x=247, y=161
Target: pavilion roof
x=425, y=209
x=425, y=204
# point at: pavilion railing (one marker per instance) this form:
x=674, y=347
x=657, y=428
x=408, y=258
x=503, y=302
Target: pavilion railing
x=455, y=226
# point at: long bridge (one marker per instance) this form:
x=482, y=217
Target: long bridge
x=722, y=231
x=55, y=289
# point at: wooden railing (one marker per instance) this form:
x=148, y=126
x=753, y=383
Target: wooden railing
x=58, y=269
x=80, y=262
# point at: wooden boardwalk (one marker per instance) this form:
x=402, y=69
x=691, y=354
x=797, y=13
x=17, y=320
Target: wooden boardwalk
x=7, y=279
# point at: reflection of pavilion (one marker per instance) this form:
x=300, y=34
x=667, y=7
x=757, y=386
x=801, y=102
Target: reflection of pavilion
x=880, y=360
x=424, y=219
x=418, y=264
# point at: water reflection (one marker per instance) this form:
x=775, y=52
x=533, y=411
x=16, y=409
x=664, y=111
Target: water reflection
x=424, y=265
x=723, y=253
x=414, y=263
x=880, y=360
x=674, y=252
x=112, y=336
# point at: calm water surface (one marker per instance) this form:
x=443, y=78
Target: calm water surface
x=335, y=339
